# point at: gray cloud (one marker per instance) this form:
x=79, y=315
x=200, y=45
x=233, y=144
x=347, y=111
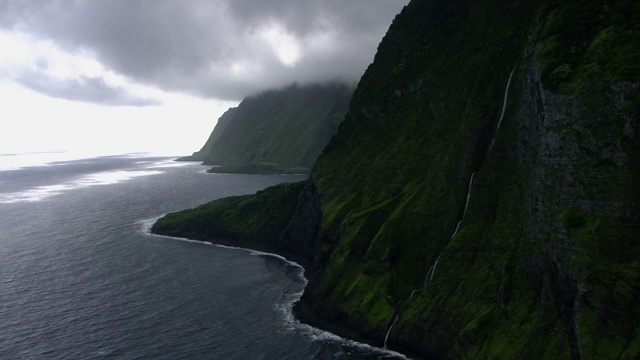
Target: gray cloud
x=211, y=48
x=85, y=89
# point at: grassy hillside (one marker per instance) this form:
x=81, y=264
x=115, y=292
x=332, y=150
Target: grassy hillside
x=544, y=264
x=480, y=199
x=278, y=131
x=216, y=134
x=250, y=220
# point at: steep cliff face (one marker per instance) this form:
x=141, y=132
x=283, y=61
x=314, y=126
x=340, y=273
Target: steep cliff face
x=216, y=134
x=277, y=131
x=483, y=189
x=481, y=197
x=253, y=221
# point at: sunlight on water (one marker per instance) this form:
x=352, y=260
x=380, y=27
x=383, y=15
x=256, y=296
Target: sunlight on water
x=113, y=177
x=103, y=178
x=16, y=160
x=168, y=164
x=85, y=284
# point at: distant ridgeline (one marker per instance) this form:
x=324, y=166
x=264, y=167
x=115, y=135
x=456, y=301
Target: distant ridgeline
x=277, y=131
x=481, y=198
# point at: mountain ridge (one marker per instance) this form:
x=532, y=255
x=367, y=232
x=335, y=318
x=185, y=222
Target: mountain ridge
x=276, y=131
x=480, y=198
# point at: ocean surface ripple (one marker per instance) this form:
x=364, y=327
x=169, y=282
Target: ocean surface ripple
x=81, y=277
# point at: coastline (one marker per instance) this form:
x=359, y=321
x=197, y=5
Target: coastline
x=236, y=244
x=300, y=311
x=303, y=313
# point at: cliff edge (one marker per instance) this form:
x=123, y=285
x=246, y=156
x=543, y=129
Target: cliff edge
x=277, y=131
x=481, y=197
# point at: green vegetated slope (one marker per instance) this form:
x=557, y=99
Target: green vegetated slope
x=277, y=131
x=218, y=130
x=546, y=261
x=255, y=220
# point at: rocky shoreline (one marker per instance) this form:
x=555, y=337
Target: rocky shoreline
x=302, y=310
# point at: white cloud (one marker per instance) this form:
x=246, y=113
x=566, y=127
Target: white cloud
x=131, y=75
x=284, y=44
x=45, y=67
x=30, y=122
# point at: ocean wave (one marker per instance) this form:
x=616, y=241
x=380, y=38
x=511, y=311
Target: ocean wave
x=289, y=299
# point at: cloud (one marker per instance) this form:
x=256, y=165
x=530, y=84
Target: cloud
x=224, y=49
x=86, y=89
x=43, y=67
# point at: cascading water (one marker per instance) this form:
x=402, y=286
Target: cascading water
x=466, y=205
x=430, y=273
x=413, y=293
x=389, y=331
x=432, y=269
x=504, y=107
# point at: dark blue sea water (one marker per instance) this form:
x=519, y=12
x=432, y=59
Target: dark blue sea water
x=81, y=277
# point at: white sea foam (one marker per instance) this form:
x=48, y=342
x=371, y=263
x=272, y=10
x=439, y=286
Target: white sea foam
x=263, y=253
x=286, y=308
x=322, y=335
x=289, y=299
x=146, y=224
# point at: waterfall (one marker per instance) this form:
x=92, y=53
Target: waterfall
x=466, y=205
x=432, y=269
x=504, y=108
x=389, y=331
x=413, y=293
x=431, y=272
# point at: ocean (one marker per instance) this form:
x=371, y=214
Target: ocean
x=81, y=277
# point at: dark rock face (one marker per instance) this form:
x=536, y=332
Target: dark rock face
x=574, y=148
x=582, y=171
x=300, y=235
x=545, y=258
x=490, y=221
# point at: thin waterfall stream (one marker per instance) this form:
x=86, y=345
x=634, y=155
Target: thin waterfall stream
x=466, y=205
x=389, y=331
x=432, y=270
x=504, y=107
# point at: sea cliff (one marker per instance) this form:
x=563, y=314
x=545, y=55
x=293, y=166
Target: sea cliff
x=276, y=131
x=481, y=197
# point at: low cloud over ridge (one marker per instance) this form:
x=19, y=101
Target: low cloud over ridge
x=223, y=49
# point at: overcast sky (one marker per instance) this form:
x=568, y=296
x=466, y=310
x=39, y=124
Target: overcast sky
x=148, y=55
